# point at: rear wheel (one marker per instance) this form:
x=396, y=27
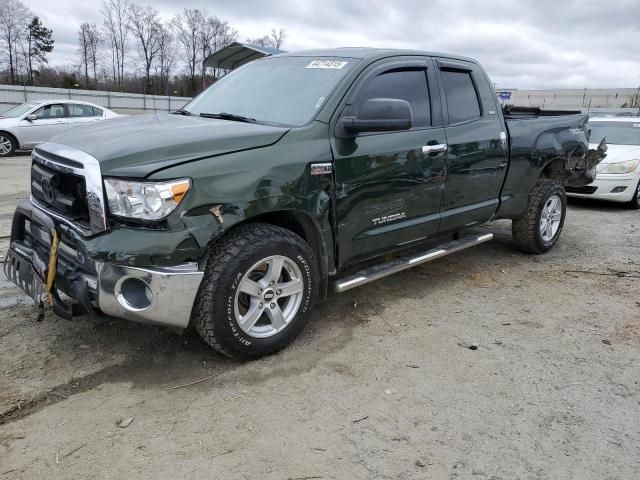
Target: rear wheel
x=7, y=145
x=259, y=285
x=635, y=201
x=539, y=227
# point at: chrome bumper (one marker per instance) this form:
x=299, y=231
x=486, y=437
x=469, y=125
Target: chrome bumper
x=160, y=296
x=156, y=295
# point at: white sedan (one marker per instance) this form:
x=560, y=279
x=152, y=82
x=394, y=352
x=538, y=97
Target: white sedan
x=618, y=175
x=25, y=126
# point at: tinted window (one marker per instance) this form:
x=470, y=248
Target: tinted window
x=97, y=112
x=462, y=100
x=50, y=111
x=79, y=110
x=409, y=85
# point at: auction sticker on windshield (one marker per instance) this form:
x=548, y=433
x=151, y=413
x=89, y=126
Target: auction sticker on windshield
x=332, y=64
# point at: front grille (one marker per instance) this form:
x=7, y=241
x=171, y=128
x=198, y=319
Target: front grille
x=587, y=190
x=62, y=192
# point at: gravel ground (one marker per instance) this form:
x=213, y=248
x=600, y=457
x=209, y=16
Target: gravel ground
x=381, y=385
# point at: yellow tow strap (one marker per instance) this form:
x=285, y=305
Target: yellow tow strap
x=53, y=264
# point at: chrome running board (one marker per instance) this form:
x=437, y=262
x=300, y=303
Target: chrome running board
x=382, y=270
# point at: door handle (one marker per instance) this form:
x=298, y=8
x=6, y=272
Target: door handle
x=440, y=147
x=61, y=121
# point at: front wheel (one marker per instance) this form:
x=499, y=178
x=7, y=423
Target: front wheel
x=7, y=145
x=259, y=286
x=539, y=227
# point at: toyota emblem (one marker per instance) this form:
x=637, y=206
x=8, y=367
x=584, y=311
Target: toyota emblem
x=47, y=190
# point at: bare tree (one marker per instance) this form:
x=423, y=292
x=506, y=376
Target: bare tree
x=145, y=26
x=633, y=99
x=187, y=26
x=84, y=50
x=14, y=17
x=274, y=40
x=214, y=35
x=90, y=39
x=94, y=38
x=278, y=38
x=116, y=24
x=166, y=57
x=263, y=41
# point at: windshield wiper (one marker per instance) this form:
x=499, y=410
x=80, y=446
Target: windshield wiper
x=229, y=116
x=183, y=112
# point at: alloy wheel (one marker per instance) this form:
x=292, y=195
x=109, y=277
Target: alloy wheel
x=268, y=296
x=5, y=145
x=550, y=218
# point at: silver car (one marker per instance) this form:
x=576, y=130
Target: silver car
x=25, y=126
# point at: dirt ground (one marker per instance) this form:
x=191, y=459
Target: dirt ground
x=381, y=385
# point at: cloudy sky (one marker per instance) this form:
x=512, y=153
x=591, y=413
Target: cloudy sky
x=522, y=43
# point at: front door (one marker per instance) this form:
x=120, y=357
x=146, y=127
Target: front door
x=51, y=121
x=477, y=154
x=388, y=185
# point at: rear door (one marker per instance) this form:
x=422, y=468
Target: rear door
x=80, y=114
x=52, y=120
x=477, y=154
x=388, y=185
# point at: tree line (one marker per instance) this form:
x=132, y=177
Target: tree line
x=134, y=49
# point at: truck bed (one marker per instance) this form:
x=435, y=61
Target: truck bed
x=536, y=137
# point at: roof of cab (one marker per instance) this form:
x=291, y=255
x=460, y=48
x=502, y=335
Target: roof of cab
x=370, y=53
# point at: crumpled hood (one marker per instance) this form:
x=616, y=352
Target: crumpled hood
x=620, y=153
x=139, y=145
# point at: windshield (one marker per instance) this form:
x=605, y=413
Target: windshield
x=616, y=133
x=19, y=110
x=280, y=90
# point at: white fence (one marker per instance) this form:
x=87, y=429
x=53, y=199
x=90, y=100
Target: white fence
x=12, y=95
x=584, y=98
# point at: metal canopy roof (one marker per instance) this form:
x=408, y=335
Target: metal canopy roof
x=238, y=54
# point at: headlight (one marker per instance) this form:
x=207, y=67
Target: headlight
x=620, y=167
x=144, y=200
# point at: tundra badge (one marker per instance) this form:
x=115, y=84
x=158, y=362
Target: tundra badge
x=389, y=218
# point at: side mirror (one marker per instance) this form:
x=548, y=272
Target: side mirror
x=32, y=117
x=380, y=115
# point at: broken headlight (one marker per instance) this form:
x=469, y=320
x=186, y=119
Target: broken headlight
x=144, y=200
x=619, y=167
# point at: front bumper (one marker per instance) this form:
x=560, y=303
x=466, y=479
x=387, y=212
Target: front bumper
x=156, y=295
x=612, y=187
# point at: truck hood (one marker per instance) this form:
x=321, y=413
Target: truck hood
x=140, y=145
x=620, y=153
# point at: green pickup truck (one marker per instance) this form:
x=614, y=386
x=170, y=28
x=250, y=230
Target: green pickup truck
x=291, y=174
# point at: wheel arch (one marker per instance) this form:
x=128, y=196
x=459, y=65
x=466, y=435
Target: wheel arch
x=13, y=136
x=553, y=169
x=303, y=225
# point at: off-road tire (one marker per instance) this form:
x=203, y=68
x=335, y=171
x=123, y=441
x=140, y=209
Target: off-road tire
x=525, y=230
x=227, y=262
x=634, y=204
x=14, y=144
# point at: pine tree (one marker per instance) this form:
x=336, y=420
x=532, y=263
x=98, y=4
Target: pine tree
x=40, y=43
